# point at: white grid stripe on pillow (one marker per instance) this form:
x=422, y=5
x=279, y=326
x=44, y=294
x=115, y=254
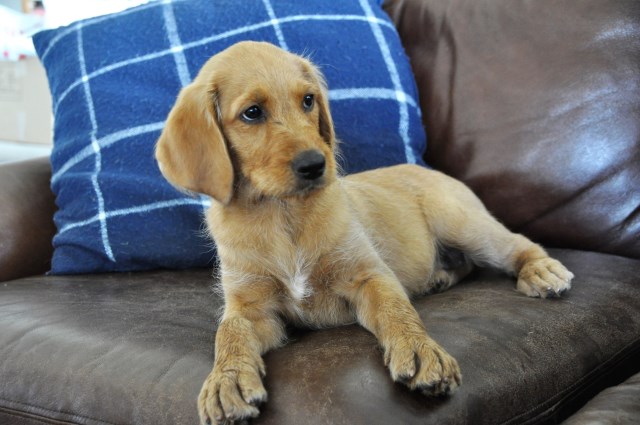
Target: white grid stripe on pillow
x=175, y=42
x=276, y=24
x=96, y=148
x=105, y=142
x=136, y=210
x=177, y=48
x=395, y=79
x=372, y=93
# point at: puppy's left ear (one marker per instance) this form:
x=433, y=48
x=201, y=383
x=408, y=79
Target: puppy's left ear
x=322, y=101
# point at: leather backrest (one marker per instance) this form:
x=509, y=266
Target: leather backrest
x=536, y=106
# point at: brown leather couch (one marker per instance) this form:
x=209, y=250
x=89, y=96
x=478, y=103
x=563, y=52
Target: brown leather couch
x=536, y=106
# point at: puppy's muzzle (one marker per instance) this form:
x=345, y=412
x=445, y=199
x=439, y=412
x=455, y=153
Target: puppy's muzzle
x=308, y=167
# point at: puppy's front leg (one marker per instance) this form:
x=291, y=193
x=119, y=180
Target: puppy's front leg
x=413, y=358
x=249, y=328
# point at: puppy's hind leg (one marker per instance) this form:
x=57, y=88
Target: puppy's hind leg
x=463, y=222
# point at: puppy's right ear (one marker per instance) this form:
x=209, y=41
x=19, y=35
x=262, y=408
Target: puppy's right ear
x=191, y=152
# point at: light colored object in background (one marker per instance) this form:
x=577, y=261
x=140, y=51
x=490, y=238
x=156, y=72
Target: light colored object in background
x=64, y=12
x=25, y=102
x=15, y=33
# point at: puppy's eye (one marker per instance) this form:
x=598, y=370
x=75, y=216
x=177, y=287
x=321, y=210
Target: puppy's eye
x=252, y=114
x=307, y=102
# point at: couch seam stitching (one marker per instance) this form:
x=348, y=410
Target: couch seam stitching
x=46, y=410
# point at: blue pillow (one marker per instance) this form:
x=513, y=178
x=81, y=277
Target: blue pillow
x=114, y=79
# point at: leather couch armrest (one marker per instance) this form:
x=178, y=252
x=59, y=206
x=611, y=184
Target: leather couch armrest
x=26, y=218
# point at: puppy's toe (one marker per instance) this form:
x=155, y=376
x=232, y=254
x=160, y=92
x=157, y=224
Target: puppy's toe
x=401, y=360
x=422, y=365
x=230, y=397
x=439, y=373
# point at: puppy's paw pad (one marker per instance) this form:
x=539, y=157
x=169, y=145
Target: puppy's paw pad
x=544, y=278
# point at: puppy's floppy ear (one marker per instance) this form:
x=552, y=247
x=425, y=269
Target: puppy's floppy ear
x=322, y=101
x=191, y=152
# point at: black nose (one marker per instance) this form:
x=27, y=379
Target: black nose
x=309, y=165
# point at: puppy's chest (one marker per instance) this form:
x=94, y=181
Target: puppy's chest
x=310, y=299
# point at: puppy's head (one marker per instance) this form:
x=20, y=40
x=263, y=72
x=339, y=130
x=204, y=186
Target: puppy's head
x=255, y=119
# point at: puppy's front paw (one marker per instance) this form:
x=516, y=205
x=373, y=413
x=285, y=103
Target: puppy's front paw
x=545, y=278
x=231, y=394
x=421, y=364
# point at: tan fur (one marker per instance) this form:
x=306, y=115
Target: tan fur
x=353, y=248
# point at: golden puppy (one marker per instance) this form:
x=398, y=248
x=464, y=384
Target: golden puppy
x=297, y=242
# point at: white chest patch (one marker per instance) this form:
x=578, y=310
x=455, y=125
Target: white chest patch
x=299, y=285
x=298, y=280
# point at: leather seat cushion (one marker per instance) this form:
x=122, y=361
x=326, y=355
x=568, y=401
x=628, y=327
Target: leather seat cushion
x=135, y=348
